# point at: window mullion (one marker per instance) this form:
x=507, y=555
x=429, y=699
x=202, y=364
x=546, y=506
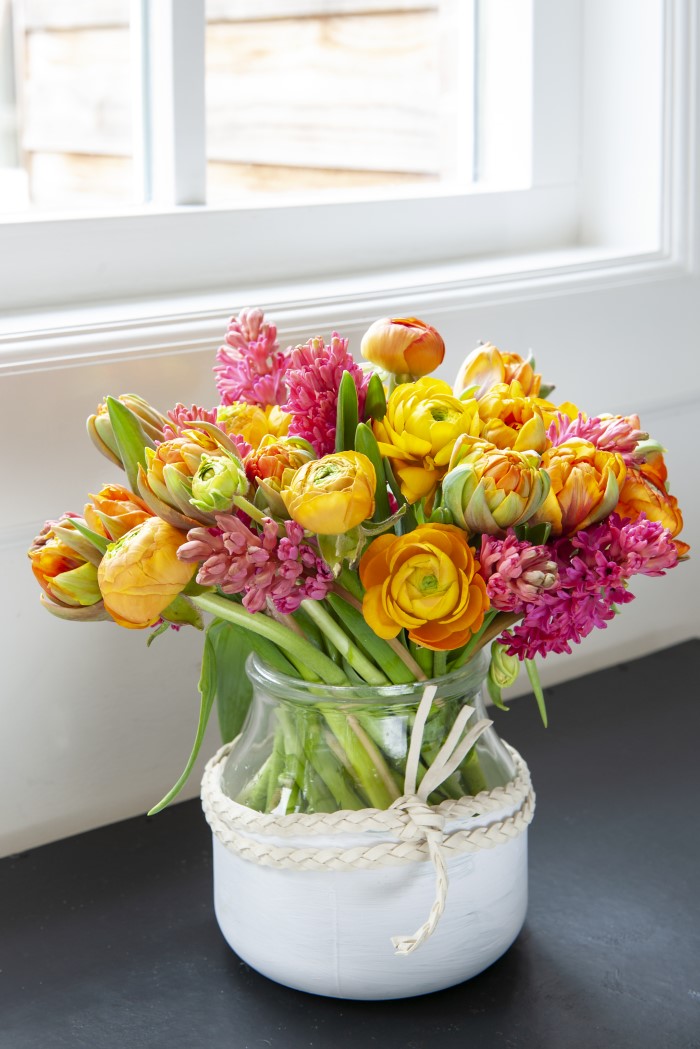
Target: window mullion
x=457, y=62
x=172, y=122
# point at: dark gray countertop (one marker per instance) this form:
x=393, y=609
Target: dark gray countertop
x=108, y=939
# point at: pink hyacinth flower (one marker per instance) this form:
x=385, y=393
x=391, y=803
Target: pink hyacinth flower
x=313, y=380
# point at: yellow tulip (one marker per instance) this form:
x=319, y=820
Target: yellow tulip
x=403, y=346
x=427, y=582
x=512, y=419
x=251, y=422
x=141, y=574
x=422, y=422
x=585, y=486
x=488, y=366
x=329, y=496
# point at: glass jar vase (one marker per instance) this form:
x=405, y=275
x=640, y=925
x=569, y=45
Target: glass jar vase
x=310, y=747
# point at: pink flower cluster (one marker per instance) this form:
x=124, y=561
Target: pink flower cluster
x=181, y=417
x=593, y=568
x=313, y=380
x=610, y=433
x=251, y=365
x=262, y=567
x=516, y=572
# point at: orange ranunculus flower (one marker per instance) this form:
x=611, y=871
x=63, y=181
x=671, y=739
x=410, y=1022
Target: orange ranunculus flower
x=403, y=345
x=585, y=487
x=64, y=564
x=251, y=422
x=427, y=582
x=114, y=511
x=329, y=496
x=422, y=422
x=512, y=419
x=487, y=366
x=141, y=574
x=644, y=492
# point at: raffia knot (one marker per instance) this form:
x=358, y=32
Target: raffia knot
x=422, y=820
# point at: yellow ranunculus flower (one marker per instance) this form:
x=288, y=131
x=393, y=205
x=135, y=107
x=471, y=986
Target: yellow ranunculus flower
x=329, y=496
x=422, y=422
x=141, y=574
x=427, y=582
x=251, y=422
x=512, y=419
x=585, y=487
x=487, y=366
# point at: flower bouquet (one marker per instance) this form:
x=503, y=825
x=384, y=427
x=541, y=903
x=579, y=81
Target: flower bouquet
x=371, y=544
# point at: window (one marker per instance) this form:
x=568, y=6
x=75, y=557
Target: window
x=356, y=136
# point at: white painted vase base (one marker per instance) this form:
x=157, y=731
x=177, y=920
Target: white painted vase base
x=329, y=932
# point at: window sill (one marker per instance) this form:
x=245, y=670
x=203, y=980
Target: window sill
x=50, y=338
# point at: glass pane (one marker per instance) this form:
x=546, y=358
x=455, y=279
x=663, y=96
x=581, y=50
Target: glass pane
x=337, y=95
x=65, y=105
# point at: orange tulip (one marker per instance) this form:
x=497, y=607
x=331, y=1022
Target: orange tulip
x=114, y=511
x=426, y=582
x=488, y=366
x=585, y=486
x=403, y=346
x=642, y=494
x=141, y=574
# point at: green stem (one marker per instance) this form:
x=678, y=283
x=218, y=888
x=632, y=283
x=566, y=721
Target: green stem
x=439, y=664
x=351, y=582
x=250, y=509
x=474, y=642
x=371, y=777
x=330, y=768
x=384, y=655
x=258, y=623
x=342, y=642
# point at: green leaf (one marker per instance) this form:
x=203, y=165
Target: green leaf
x=231, y=646
x=375, y=400
x=535, y=534
x=534, y=676
x=290, y=643
x=180, y=610
x=156, y=633
x=98, y=541
x=335, y=549
x=131, y=439
x=347, y=415
x=207, y=690
x=366, y=443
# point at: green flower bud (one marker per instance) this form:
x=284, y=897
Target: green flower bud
x=216, y=483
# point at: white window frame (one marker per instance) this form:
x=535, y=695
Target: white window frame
x=169, y=278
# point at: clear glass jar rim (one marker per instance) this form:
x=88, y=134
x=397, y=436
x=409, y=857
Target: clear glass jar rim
x=470, y=676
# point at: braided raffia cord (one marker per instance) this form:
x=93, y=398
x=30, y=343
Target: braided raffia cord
x=418, y=830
